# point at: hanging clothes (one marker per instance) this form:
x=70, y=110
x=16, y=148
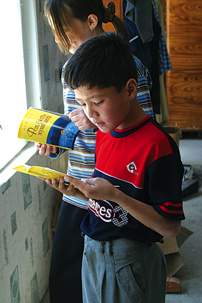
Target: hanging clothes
x=149, y=47
x=164, y=59
x=140, y=12
x=164, y=115
x=140, y=49
x=154, y=50
x=147, y=52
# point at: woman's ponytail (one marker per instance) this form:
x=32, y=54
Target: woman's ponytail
x=109, y=16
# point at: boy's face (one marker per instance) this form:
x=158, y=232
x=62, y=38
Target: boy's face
x=106, y=108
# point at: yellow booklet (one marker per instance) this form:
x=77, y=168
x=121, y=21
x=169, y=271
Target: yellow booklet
x=49, y=128
x=39, y=171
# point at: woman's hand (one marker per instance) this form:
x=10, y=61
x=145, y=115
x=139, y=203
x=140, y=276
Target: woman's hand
x=45, y=149
x=80, y=119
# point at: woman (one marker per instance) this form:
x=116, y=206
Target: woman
x=73, y=22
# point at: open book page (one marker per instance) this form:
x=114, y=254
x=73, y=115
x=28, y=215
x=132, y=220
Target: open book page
x=39, y=171
x=49, y=128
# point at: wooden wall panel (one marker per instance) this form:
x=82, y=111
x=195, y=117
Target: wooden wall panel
x=184, y=81
x=185, y=103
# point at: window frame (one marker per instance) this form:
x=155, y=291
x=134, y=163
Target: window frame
x=30, y=49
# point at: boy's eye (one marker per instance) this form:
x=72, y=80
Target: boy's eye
x=98, y=103
x=82, y=104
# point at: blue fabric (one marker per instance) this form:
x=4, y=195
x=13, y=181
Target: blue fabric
x=63, y=133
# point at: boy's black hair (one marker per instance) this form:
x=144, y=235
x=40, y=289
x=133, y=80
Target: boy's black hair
x=101, y=61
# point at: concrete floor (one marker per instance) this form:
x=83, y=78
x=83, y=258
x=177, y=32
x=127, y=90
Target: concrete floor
x=190, y=274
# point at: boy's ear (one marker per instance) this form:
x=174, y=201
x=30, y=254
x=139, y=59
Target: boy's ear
x=131, y=87
x=92, y=21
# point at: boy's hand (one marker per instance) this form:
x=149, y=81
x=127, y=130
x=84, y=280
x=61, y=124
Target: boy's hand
x=62, y=186
x=95, y=188
x=65, y=186
x=80, y=119
x=45, y=149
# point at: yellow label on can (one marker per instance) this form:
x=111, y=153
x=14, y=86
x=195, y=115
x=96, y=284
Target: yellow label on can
x=36, y=125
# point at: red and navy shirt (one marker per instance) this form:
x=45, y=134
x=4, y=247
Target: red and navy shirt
x=143, y=161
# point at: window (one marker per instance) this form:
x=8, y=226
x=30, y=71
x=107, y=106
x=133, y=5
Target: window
x=20, y=87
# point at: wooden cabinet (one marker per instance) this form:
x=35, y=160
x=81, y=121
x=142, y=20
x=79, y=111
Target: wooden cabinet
x=184, y=82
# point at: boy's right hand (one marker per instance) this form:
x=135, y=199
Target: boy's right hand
x=45, y=149
x=65, y=186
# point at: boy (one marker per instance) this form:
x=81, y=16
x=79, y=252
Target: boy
x=135, y=194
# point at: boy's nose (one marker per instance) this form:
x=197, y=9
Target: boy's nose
x=91, y=113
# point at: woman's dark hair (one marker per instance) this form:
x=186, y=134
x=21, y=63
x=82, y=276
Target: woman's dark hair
x=60, y=13
x=101, y=61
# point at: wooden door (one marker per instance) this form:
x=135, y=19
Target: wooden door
x=184, y=81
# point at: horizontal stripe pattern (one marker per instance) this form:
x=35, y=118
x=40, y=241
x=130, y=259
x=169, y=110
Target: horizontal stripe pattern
x=171, y=208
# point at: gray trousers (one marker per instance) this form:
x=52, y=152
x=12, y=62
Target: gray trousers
x=123, y=271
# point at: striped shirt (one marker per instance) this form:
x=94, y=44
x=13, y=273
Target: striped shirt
x=82, y=159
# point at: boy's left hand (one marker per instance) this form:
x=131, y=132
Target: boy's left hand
x=62, y=186
x=95, y=188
